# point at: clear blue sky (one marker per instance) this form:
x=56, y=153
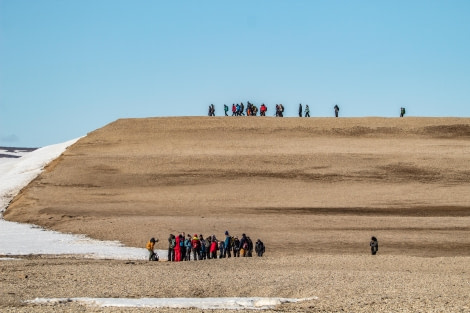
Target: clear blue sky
x=70, y=67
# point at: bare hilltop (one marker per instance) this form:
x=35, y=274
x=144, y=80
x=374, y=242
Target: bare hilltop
x=313, y=189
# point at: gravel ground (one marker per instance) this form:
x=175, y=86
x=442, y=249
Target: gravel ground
x=349, y=283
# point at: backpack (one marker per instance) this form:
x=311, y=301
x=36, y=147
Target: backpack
x=245, y=245
x=154, y=257
x=173, y=243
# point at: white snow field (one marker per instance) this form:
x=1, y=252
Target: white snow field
x=20, y=167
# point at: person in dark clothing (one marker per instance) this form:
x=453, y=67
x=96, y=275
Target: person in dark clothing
x=236, y=247
x=402, y=112
x=300, y=109
x=203, y=242
x=221, y=249
x=243, y=247
x=227, y=245
x=307, y=111
x=226, y=109
x=336, y=107
x=171, y=247
x=374, y=245
x=187, y=248
x=259, y=248
x=211, y=110
x=279, y=110
x=250, y=247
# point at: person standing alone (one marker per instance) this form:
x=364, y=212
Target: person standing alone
x=374, y=245
x=336, y=107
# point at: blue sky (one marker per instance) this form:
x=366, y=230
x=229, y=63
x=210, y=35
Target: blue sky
x=70, y=67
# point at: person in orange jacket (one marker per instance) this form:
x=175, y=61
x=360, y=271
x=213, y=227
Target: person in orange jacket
x=151, y=247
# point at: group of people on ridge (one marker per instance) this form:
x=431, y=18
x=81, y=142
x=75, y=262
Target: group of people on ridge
x=182, y=247
x=252, y=110
x=238, y=109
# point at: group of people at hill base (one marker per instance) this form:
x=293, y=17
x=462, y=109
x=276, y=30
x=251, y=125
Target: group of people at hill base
x=184, y=247
x=180, y=248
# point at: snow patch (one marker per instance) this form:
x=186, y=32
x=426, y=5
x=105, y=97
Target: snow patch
x=255, y=303
x=15, y=174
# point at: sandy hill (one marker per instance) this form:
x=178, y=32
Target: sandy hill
x=316, y=185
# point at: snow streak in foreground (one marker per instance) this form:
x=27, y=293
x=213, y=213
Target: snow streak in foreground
x=179, y=303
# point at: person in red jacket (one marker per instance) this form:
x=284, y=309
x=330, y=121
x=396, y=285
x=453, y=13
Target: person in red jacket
x=178, y=249
x=214, y=248
x=263, y=110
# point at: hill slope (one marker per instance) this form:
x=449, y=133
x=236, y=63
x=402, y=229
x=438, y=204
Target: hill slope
x=319, y=185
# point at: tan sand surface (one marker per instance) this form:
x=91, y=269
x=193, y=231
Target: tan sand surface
x=314, y=190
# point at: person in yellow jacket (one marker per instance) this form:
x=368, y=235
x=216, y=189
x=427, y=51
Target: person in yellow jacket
x=151, y=247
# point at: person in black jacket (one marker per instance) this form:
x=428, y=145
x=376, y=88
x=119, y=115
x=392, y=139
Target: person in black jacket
x=259, y=248
x=236, y=247
x=374, y=245
x=171, y=248
x=250, y=247
x=336, y=107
